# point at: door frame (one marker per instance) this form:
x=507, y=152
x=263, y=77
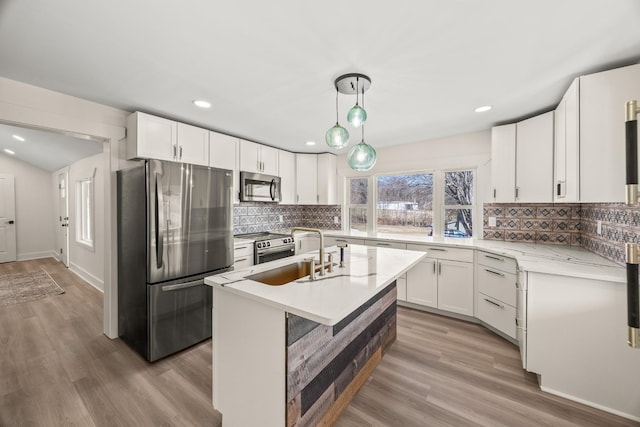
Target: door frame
x=13, y=243
x=64, y=221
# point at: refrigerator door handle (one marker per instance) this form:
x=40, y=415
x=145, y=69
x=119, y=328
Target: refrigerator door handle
x=159, y=224
x=183, y=285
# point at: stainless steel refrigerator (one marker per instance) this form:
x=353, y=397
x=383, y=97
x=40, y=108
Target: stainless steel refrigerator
x=174, y=229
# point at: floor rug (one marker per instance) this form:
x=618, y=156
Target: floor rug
x=16, y=288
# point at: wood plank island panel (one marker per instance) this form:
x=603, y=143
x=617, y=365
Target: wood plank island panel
x=327, y=365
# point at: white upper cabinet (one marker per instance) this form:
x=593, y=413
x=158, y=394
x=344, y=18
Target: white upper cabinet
x=307, y=179
x=503, y=163
x=151, y=137
x=258, y=158
x=602, y=142
x=223, y=154
x=327, y=179
x=287, y=169
x=193, y=145
x=534, y=159
x=567, y=154
x=522, y=161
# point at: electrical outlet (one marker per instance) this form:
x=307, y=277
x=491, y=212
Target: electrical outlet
x=599, y=227
x=492, y=221
x=336, y=220
x=280, y=218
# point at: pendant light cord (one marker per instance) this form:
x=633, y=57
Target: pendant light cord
x=337, y=116
x=357, y=89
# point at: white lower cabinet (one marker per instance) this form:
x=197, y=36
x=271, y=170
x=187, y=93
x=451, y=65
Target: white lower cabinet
x=307, y=243
x=242, y=254
x=401, y=286
x=443, y=280
x=333, y=241
x=496, y=282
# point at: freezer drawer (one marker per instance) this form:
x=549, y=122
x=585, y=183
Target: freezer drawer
x=179, y=316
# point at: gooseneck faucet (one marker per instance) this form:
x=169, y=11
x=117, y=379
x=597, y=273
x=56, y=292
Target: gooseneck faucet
x=314, y=230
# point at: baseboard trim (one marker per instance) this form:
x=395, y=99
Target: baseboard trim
x=35, y=255
x=87, y=277
x=589, y=403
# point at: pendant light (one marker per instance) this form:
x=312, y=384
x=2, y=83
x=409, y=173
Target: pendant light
x=362, y=156
x=337, y=136
x=357, y=115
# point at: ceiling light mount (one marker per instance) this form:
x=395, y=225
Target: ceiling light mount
x=353, y=83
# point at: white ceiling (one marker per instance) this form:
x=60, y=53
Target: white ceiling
x=46, y=150
x=268, y=67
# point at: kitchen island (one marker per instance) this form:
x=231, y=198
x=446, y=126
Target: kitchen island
x=297, y=353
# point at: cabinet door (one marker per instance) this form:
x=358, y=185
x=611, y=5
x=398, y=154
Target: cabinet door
x=572, y=142
x=455, y=286
x=223, y=154
x=306, y=179
x=150, y=137
x=306, y=244
x=269, y=160
x=249, y=157
x=193, y=145
x=401, y=286
x=560, y=157
x=534, y=159
x=287, y=169
x=503, y=163
x=602, y=142
x=327, y=179
x=422, y=283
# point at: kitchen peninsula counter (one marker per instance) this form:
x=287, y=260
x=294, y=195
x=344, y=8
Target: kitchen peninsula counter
x=297, y=353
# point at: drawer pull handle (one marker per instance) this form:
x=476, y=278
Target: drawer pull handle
x=437, y=249
x=494, y=257
x=494, y=303
x=240, y=260
x=383, y=244
x=494, y=272
x=240, y=247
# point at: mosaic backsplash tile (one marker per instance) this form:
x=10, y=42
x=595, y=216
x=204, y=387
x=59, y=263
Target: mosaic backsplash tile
x=535, y=223
x=572, y=224
x=256, y=217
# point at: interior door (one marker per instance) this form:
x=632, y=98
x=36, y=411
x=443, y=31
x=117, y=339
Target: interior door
x=63, y=217
x=7, y=219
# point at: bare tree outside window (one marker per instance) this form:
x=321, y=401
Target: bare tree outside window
x=458, y=200
x=404, y=203
x=358, y=196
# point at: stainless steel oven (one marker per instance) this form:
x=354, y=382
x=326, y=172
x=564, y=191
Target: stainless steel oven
x=271, y=246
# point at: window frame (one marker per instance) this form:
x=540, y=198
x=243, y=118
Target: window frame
x=85, y=212
x=439, y=206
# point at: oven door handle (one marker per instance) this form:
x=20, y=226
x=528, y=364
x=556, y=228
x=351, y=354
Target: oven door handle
x=273, y=250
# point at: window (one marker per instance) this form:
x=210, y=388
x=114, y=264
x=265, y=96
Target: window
x=404, y=203
x=84, y=212
x=357, y=203
x=436, y=203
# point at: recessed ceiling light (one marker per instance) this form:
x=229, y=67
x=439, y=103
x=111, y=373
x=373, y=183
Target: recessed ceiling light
x=202, y=104
x=18, y=137
x=310, y=143
x=483, y=109
x=6, y=150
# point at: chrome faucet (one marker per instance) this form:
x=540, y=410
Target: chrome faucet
x=314, y=230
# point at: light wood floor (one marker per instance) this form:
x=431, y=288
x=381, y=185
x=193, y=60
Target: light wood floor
x=57, y=368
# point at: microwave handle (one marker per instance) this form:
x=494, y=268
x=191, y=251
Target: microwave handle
x=272, y=188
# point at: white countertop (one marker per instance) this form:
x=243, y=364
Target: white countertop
x=329, y=298
x=539, y=258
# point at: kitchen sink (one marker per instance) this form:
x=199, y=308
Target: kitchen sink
x=285, y=274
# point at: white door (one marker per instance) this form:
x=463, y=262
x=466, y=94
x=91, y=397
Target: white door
x=7, y=219
x=63, y=219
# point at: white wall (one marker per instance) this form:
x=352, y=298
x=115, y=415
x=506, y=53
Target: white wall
x=88, y=263
x=26, y=105
x=34, y=205
x=471, y=150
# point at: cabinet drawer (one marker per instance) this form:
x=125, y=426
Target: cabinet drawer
x=242, y=262
x=332, y=241
x=508, y=265
x=496, y=284
x=382, y=244
x=497, y=314
x=241, y=250
x=444, y=252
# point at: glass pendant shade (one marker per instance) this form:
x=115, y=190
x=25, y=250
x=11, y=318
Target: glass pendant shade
x=362, y=157
x=357, y=116
x=337, y=137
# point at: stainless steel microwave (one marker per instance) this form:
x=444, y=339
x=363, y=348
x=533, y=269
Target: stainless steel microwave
x=257, y=187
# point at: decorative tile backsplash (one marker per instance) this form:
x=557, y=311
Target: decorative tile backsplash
x=571, y=224
x=536, y=223
x=256, y=217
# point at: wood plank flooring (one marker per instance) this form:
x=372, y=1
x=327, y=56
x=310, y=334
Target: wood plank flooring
x=57, y=368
